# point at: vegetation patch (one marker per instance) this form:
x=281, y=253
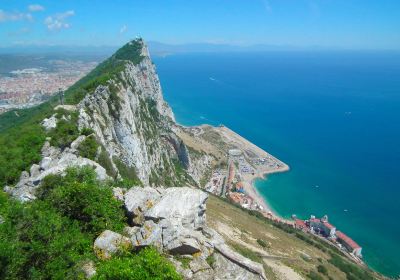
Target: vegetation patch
x=80, y=197
x=185, y=261
x=211, y=260
x=127, y=173
x=262, y=243
x=147, y=264
x=351, y=270
x=88, y=148
x=52, y=236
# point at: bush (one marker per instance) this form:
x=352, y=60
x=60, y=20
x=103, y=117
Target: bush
x=82, y=198
x=210, y=260
x=262, y=243
x=127, y=173
x=36, y=242
x=88, y=148
x=19, y=149
x=315, y=276
x=147, y=264
x=87, y=131
x=322, y=269
x=64, y=134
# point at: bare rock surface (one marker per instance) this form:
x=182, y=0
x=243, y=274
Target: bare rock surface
x=184, y=206
x=174, y=222
x=50, y=123
x=89, y=269
x=54, y=161
x=108, y=243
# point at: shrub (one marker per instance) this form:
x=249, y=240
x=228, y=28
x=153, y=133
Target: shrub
x=82, y=198
x=36, y=242
x=128, y=173
x=322, y=269
x=262, y=243
x=19, y=149
x=87, y=131
x=315, y=276
x=64, y=134
x=88, y=148
x=210, y=260
x=147, y=264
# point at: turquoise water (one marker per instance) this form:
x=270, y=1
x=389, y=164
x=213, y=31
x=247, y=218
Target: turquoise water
x=334, y=117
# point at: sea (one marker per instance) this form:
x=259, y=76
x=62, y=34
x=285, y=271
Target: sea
x=332, y=116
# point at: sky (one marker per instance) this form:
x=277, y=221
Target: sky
x=343, y=24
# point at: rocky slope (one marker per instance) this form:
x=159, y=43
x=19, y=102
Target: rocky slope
x=134, y=130
x=132, y=122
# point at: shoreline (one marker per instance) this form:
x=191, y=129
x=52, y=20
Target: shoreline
x=252, y=191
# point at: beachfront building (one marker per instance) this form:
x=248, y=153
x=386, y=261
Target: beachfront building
x=300, y=224
x=322, y=226
x=349, y=243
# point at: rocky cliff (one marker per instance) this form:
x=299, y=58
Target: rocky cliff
x=132, y=122
x=122, y=127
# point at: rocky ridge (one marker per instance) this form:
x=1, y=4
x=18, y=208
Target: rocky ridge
x=173, y=220
x=134, y=127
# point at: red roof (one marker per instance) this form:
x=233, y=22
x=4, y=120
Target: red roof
x=315, y=220
x=347, y=240
x=300, y=223
x=328, y=225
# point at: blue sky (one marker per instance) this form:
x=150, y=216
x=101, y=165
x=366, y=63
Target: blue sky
x=349, y=24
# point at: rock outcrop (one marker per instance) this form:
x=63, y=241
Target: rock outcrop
x=174, y=221
x=109, y=243
x=54, y=161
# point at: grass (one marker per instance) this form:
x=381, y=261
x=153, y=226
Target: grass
x=185, y=261
x=282, y=241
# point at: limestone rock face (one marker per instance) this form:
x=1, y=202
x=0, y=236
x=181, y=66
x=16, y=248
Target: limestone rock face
x=174, y=222
x=137, y=200
x=184, y=206
x=54, y=161
x=225, y=269
x=50, y=123
x=132, y=122
x=109, y=242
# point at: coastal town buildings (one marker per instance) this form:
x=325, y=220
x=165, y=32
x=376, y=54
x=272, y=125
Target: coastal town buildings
x=322, y=227
x=28, y=87
x=349, y=243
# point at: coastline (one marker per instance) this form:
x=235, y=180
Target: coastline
x=251, y=190
x=250, y=150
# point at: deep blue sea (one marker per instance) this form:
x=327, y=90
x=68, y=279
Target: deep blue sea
x=334, y=117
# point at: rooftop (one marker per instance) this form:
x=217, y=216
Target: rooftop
x=347, y=240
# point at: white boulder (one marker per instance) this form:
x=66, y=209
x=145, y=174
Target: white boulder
x=109, y=243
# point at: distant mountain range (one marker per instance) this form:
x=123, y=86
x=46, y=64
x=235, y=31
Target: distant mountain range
x=156, y=48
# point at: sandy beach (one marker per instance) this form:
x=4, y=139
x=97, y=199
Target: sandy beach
x=251, y=153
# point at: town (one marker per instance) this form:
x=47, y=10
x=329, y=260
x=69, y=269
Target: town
x=31, y=86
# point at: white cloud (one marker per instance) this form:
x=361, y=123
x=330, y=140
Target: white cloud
x=123, y=29
x=58, y=21
x=35, y=8
x=14, y=16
